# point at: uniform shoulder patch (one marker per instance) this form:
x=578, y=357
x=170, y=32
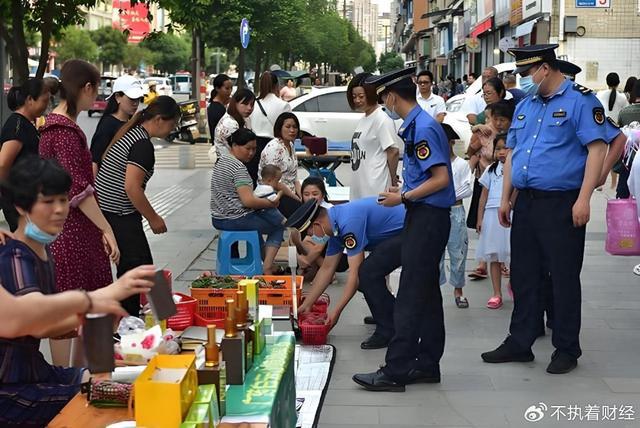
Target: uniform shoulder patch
x=613, y=122
x=598, y=115
x=350, y=242
x=423, y=151
x=582, y=89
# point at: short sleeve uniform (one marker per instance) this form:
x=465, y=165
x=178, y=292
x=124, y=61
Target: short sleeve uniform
x=18, y=127
x=426, y=146
x=361, y=225
x=107, y=129
x=549, y=138
x=374, y=134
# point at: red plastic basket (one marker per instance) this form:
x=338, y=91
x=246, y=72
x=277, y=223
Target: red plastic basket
x=186, y=310
x=313, y=334
x=321, y=305
x=217, y=319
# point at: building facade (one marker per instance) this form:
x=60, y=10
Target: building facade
x=363, y=14
x=461, y=36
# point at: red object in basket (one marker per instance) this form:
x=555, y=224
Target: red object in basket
x=216, y=319
x=186, y=311
x=314, y=328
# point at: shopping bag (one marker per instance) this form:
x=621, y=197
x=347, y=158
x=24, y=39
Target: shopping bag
x=623, y=228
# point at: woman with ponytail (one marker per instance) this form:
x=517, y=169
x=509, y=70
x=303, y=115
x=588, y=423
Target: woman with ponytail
x=19, y=137
x=83, y=249
x=127, y=165
x=612, y=100
x=220, y=96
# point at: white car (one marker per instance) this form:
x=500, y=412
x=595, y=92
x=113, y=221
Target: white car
x=458, y=119
x=163, y=85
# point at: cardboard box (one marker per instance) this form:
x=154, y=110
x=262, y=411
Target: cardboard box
x=252, y=296
x=165, y=390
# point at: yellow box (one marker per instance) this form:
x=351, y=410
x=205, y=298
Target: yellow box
x=252, y=296
x=165, y=390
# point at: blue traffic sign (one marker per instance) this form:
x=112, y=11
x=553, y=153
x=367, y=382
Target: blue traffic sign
x=244, y=33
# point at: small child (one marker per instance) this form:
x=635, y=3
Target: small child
x=458, y=243
x=269, y=182
x=494, y=246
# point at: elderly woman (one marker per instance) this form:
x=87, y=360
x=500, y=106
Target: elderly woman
x=233, y=204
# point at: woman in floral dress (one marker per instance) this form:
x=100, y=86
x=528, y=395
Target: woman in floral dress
x=83, y=249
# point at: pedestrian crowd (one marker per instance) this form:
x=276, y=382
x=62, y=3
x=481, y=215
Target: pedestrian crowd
x=535, y=156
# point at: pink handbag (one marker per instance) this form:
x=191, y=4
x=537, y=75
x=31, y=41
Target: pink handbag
x=623, y=228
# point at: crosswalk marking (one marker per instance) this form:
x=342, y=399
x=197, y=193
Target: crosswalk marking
x=169, y=157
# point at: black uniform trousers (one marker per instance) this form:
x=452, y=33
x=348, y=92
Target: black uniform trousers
x=134, y=250
x=546, y=247
x=384, y=259
x=418, y=316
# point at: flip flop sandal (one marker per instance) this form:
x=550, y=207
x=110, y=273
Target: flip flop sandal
x=495, y=302
x=505, y=271
x=462, y=302
x=478, y=274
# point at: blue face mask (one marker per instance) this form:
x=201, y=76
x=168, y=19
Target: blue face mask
x=32, y=231
x=528, y=86
x=392, y=114
x=320, y=240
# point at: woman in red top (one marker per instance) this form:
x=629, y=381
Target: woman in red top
x=83, y=249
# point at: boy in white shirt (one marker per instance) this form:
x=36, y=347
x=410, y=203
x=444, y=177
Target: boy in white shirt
x=269, y=182
x=458, y=243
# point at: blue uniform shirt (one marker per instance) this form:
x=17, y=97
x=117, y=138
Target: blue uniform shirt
x=549, y=138
x=425, y=146
x=362, y=224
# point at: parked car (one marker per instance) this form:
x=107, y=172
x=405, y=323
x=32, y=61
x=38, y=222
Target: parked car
x=163, y=85
x=181, y=82
x=458, y=119
x=104, y=90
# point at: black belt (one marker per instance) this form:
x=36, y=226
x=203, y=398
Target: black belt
x=548, y=194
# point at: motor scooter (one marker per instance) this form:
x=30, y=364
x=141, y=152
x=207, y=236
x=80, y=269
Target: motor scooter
x=187, y=128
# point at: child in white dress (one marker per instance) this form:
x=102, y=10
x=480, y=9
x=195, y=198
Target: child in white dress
x=493, y=246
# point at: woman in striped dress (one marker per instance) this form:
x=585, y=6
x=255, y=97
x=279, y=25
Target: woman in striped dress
x=127, y=166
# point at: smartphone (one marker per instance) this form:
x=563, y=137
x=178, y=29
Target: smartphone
x=161, y=298
x=97, y=338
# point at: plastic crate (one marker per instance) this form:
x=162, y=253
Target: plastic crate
x=186, y=310
x=279, y=296
x=212, y=300
x=216, y=319
x=313, y=334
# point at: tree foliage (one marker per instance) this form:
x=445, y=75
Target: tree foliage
x=76, y=43
x=390, y=61
x=134, y=56
x=172, y=52
x=50, y=17
x=111, y=45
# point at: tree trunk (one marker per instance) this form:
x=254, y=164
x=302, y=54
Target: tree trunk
x=195, y=91
x=16, y=43
x=241, y=55
x=257, y=69
x=47, y=26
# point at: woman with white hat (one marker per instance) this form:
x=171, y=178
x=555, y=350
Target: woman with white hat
x=121, y=105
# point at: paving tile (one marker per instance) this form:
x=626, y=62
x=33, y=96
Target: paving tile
x=623, y=385
x=349, y=415
x=421, y=416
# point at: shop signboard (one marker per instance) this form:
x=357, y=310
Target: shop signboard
x=131, y=18
x=473, y=44
x=516, y=12
x=596, y=3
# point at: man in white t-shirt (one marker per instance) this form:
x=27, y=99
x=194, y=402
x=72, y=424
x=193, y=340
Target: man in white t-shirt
x=430, y=102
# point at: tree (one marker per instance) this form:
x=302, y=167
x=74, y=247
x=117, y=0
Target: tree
x=171, y=51
x=76, y=43
x=111, y=45
x=134, y=56
x=50, y=17
x=390, y=61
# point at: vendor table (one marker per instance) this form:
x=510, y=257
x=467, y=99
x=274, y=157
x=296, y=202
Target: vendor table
x=268, y=395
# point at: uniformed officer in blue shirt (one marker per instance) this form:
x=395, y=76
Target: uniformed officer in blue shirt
x=357, y=226
x=414, y=353
x=557, y=141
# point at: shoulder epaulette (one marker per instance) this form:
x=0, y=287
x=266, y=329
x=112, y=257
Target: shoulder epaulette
x=582, y=89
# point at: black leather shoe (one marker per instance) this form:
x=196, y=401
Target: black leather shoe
x=377, y=381
x=369, y=320
x=375, y=341
x=504, y=354
x=561, y=363
x=419, y=376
